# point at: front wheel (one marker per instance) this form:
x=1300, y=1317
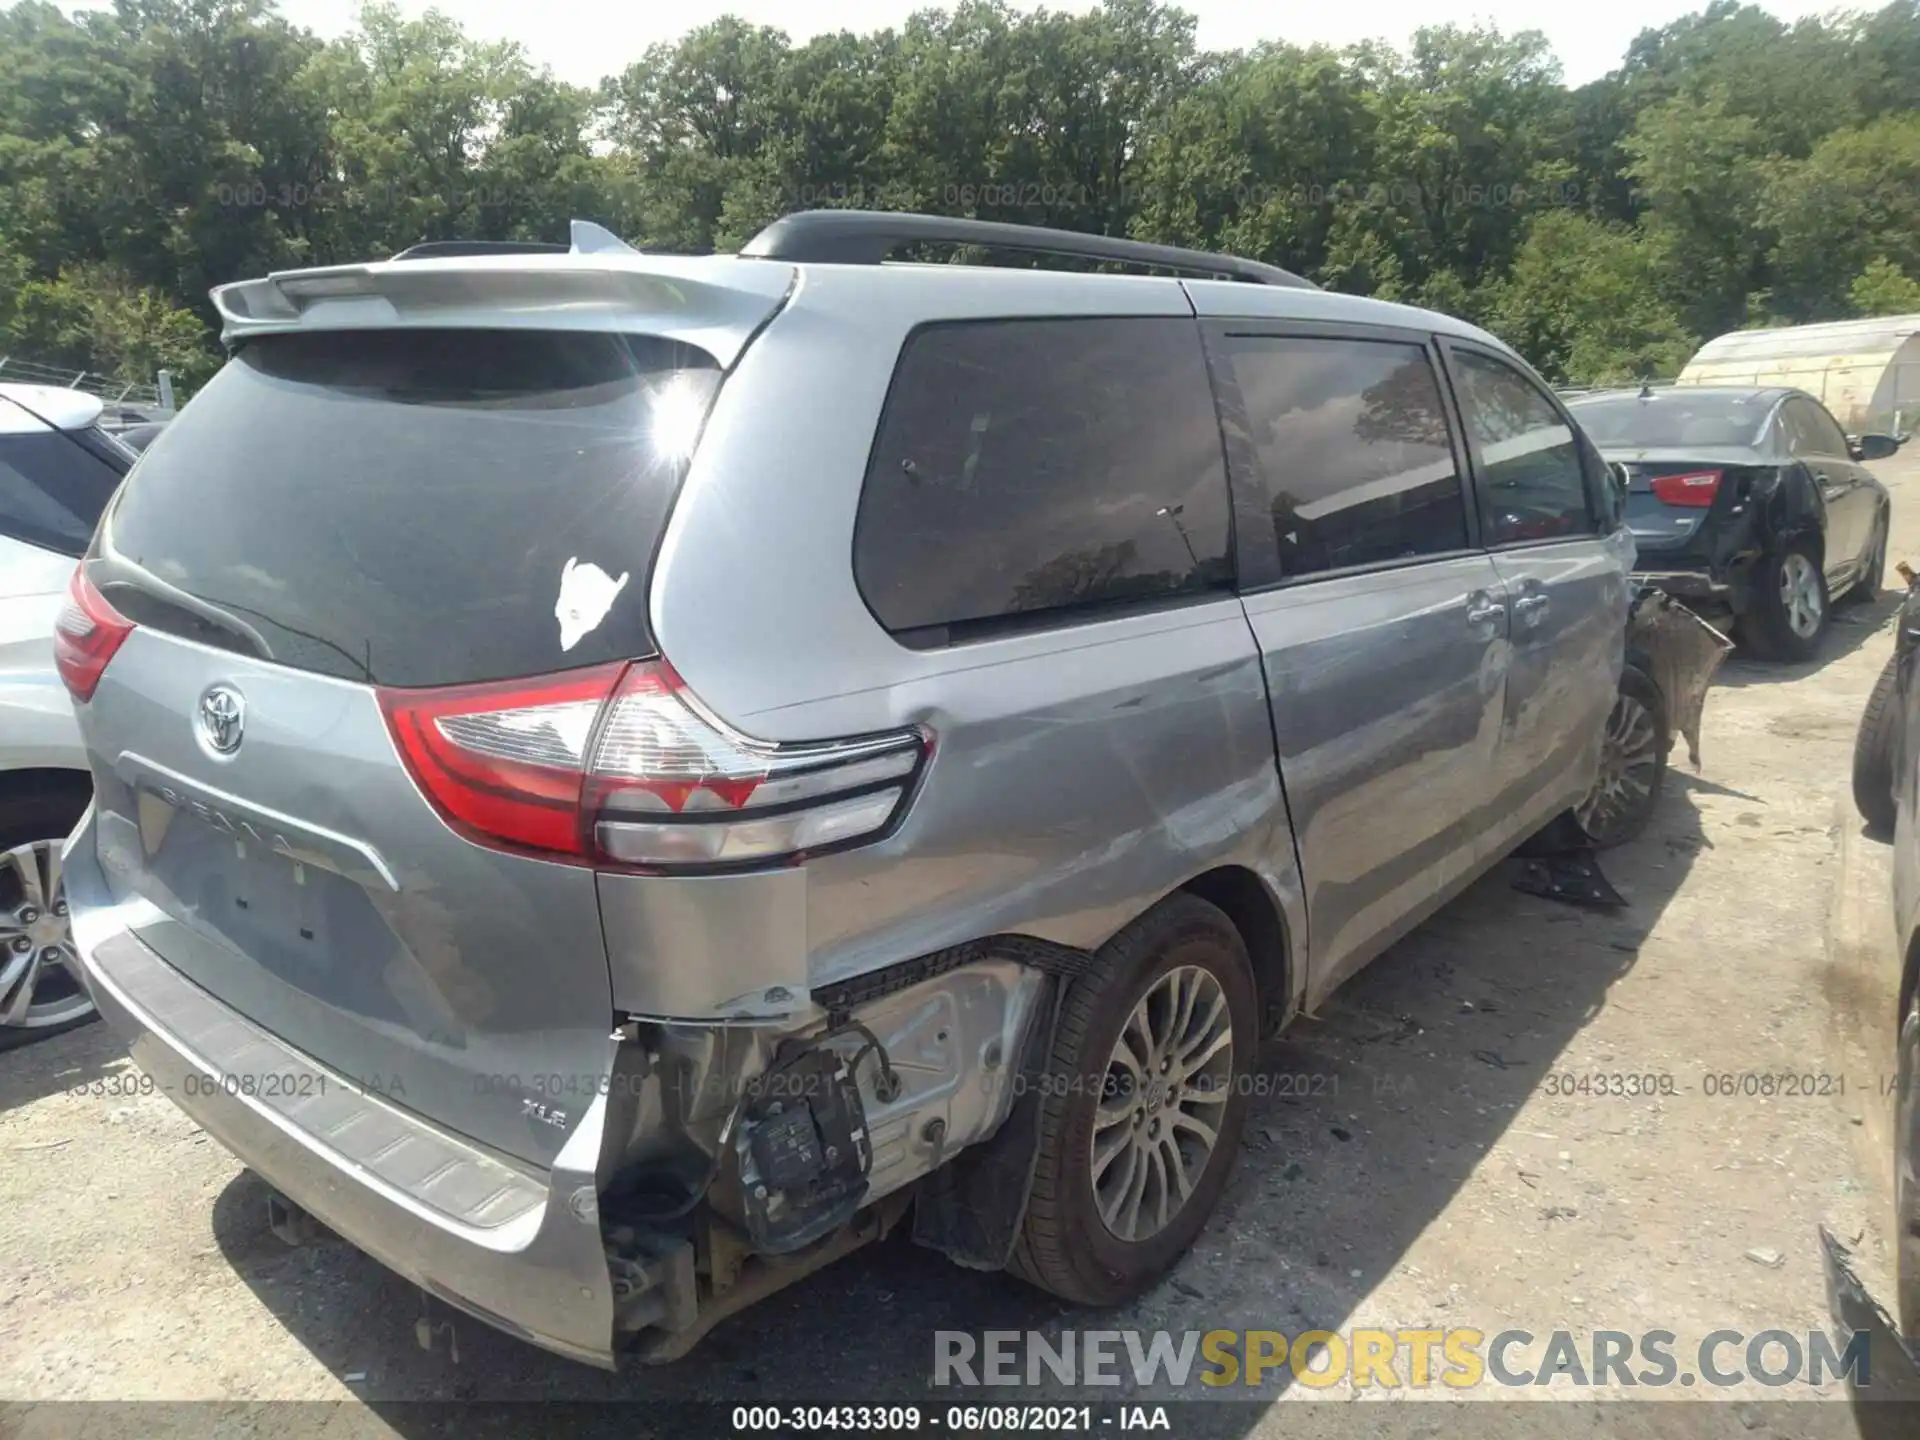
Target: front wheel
x=1633, y=764
x=1142, y=1105
x=1789, y=615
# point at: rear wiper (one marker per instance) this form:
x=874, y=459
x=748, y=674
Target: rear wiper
x=366, y=671
x=133, y=573
x=216, y=615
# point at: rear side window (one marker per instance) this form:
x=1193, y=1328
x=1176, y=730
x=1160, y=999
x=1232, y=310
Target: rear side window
x=1533, y=485
x=1811, y=430
x=1031, y=466
x=1350, y=449
x=52, y=489
x=414, y=507
x=1799, y=434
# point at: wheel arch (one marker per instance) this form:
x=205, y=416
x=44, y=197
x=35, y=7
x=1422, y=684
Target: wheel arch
x=37, y=780
x=1255, y=912
x=1813, y=537
x=1796, y=514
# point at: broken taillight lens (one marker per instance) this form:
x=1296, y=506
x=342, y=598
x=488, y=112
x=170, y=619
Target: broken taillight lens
x=86, y=633
x=621, y=765
x=1694, y=490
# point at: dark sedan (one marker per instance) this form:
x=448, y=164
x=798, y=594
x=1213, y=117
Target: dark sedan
x=1748, y=498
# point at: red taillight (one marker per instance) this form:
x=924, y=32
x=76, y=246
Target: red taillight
x=85, y=635
x=621, y=765
x=1694, y=490
x=504, y=762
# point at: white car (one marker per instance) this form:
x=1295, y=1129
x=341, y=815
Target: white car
x=57, y=470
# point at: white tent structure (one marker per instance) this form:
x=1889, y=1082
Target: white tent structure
x=1867, y=372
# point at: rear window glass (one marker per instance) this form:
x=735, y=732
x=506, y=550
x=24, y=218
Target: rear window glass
x=1032, y=466
x=52, y=489
x=412, y=507
x=1671, y=419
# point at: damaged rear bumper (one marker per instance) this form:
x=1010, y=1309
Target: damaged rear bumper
x=518, y=1249
x=688, y=1189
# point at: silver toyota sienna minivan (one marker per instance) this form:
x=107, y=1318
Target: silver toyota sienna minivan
x=622, y=778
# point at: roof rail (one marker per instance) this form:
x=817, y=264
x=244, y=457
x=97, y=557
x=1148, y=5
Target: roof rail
x=868, y=237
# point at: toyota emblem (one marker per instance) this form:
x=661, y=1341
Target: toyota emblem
x=222, y=719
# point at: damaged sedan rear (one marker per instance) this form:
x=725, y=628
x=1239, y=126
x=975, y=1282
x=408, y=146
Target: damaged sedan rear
x=1750, y=500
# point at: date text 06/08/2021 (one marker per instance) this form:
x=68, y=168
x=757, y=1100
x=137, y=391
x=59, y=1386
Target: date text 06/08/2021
x=954, y=1419
x=1594, y=1085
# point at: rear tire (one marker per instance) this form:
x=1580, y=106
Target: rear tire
x=1873, y=760
x=1081, y=1238
x=1790, y=612
x=39, y=814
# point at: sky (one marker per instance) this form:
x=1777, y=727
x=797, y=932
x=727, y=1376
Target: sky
x=584, y=40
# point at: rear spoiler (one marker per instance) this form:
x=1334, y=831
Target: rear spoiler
x=599, y=282
x=588, y=239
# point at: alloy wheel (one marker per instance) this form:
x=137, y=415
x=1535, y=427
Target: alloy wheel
x=39, y=968
x=1629, y=762
x=1158, y=1121
x=1800, y=597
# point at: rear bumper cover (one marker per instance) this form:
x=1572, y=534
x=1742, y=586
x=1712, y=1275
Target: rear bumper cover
x=1712, y=567
x=519, y=1250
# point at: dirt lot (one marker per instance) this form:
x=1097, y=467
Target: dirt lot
x=1425, y=1177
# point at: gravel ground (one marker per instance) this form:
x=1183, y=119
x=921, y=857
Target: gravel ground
x=1423, y=1176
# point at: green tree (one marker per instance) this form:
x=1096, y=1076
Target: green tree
x=1260, y=159
x=1854, y=199
x=1885, y=52
x=435, y=136
x=1583, y=303
x=696, y=120
x=1734, y=169
x=1461, y=140
x=1796, y=82
x=95, y=318
x=1883, y=288
x=1697, y=168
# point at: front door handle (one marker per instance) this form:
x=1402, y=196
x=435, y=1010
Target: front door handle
x=1481, y=611
x=1530, y=608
